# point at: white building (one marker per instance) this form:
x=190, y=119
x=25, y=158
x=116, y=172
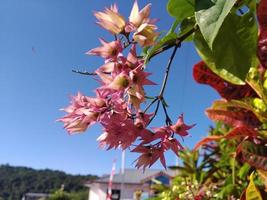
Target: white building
x=135, y=181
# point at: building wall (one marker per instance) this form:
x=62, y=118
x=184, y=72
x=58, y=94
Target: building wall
x=98, y=191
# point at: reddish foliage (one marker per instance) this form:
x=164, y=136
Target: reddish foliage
x=262, y=42
x=207, y=140
x=242, y=131
x=202, y=74
x=234, y=118
x=254, y=155
x=238, y=132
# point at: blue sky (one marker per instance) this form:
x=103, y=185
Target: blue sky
x=34, y=85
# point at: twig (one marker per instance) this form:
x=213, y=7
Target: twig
x=168, y=120
x=167, y=72
x=174, y=42
x=161, y=93
x=88, y=73
x=155, y=113
x=151, y=103
x=84, y=73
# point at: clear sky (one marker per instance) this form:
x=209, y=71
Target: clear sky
x=41, y=41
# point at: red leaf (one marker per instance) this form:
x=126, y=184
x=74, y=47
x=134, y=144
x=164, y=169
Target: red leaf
x=207, y=140
x=234, y=118
x=262, y=41
x=238, y=132
x=202, y=74
x=254, y=154
x=241, y=131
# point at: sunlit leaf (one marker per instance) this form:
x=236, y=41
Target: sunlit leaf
x=254, y=79
x=252, y=192
x=181, y=9
x=246, y=103
x=210, y=16
x=263, y=176
x=234, y=48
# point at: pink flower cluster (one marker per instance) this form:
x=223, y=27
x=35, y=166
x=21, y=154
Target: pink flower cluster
x=117, y=104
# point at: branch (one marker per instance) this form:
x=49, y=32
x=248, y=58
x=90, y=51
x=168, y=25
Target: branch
x=168, y=120
x=167, y=71
x=84, y=73
x=161, y=93
x=155, y=113
x=175, y=42
x=88, y=73
x=152, y=102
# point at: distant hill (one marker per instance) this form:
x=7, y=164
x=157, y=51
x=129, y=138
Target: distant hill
x=16, y=181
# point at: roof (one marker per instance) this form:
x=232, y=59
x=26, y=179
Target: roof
x=134, y=176
x=29, y=194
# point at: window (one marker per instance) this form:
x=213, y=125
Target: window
x=115, y=194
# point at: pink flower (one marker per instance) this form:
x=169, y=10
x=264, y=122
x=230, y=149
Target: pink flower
x=142, y=119
x=139, y=17
x=118, y=131
x=180, y=127
x=109, y=50
x=80, y=116
x=173, y=144
x=149, y=155
x=132, y=61
x=111, y=20
x=120, y=82
x=146, y=35
x=136, y=91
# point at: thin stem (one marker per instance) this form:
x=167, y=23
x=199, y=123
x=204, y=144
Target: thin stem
x=87, y=73
x=84, y=73
x=161, y=93
x=233, y=171
x=155, y=113
x=174, y=42
x=159, y=99
x=168, y=120
x=151, y=103
x=167, y=72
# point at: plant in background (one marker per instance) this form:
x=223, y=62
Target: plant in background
x=231, y=38
x=212, y=173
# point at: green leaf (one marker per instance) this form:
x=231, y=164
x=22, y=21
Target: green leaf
x=255, y=81
x=243, y=171
x=246, y=103
x=210, y=16
x=165, y=40
x=252, y=192
x=181, y=9
x=263, y=176
x=186, y=25
x=234, y=49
